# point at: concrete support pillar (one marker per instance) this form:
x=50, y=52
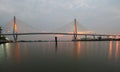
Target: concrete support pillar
x=75, y=30
x=15, y=36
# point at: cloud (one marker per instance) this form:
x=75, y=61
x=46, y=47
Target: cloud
x=4, y=7
x=69, y=4
x=58, y=11
x=41, y=6
x=116, y=12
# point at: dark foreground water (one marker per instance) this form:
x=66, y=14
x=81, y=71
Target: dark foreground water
x=65, y=57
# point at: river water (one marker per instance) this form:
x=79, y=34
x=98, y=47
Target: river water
x=84, y=56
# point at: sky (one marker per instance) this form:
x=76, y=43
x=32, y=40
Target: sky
x=101, y=16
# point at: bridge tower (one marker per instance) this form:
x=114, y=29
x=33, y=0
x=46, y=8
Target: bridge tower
x=75, y=30
x=15, y=36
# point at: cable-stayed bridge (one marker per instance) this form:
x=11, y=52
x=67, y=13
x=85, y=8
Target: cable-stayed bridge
x=75, y=32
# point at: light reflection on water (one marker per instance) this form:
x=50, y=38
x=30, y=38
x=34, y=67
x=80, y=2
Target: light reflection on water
x=76, y=49
x=110, y=50
x=65, y=56
x=117, y=50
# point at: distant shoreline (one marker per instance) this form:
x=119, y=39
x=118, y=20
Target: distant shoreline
x=2, y=42
x=96, y=40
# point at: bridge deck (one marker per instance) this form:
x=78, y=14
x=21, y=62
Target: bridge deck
x=58, y=34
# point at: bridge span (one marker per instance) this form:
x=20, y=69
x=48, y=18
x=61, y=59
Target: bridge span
x=50, y=33
x=15, y=33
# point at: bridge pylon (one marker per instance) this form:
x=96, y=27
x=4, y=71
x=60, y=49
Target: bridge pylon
x=15, y=36
x=75, y=30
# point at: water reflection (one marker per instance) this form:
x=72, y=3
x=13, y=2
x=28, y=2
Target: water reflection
x=5, y=51
x=56, y=46
x=76, y=51
x=16, y=52
x=25, y=50
x=110, y=50
x=70, y=57
x=11, y=54
x=116, y=50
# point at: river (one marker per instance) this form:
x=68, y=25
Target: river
x=84, y=56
